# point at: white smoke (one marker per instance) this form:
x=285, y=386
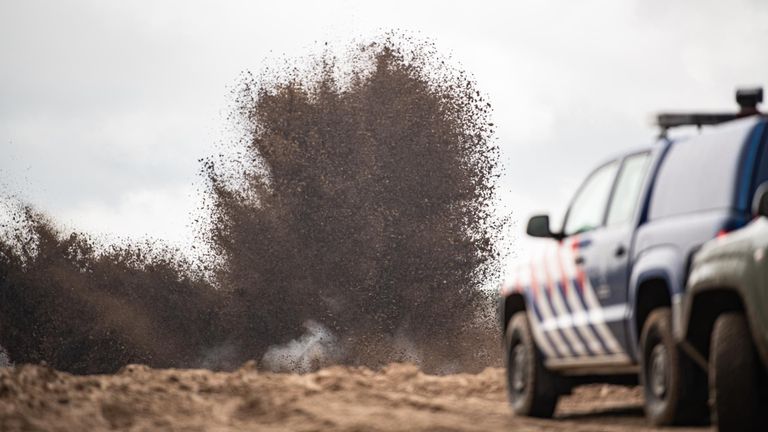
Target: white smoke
x=316, y=348
x=405, y=350
x=4, y=360
x=220, y=357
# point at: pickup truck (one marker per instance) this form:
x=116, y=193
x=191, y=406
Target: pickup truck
x=725, y=321
x=601, y=304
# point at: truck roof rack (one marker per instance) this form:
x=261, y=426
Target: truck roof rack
x=747, y=98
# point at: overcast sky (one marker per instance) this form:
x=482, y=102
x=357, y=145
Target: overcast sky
x=106, y=106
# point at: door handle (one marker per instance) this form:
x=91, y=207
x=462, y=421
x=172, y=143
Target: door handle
x=620, y=251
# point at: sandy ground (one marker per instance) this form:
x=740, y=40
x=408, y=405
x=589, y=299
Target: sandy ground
x=399, y=397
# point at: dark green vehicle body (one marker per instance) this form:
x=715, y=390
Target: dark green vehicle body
x=728, y=274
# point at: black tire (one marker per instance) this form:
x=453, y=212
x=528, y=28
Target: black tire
x=532, y=390
x=733, y=375
x=674, y=388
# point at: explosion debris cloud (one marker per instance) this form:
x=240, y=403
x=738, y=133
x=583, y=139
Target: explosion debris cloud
x=87, y=309
x=363, y=204
x=355, y=208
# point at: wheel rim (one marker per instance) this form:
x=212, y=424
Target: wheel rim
x=657, y=374
x=519, y=369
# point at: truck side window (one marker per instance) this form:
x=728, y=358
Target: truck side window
x=588, y=208
x=627, y=190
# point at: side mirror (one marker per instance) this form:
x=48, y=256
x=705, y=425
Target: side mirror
x=760, y=201
x=538, y=226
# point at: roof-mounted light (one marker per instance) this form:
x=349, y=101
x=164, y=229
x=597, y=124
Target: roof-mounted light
x=748, y=99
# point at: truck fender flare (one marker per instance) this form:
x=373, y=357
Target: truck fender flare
x=661, y=263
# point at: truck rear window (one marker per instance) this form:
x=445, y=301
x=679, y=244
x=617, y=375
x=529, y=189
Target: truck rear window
x=701, y=173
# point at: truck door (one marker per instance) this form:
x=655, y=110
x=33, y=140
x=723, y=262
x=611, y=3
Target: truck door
x=601, y=257
x=582, y=229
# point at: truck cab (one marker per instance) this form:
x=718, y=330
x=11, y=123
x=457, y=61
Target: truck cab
x=602, y=302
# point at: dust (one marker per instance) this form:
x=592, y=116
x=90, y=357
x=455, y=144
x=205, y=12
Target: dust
x=351, y=223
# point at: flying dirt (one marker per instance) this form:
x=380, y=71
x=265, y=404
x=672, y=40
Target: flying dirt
x=358, y=200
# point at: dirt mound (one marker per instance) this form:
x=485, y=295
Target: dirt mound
x=397, y=397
